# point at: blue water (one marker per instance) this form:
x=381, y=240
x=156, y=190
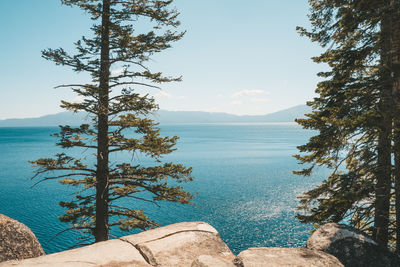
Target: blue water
x=243, y=179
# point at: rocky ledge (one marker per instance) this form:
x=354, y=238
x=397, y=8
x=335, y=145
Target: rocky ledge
x=197, y=244
x=352, y=247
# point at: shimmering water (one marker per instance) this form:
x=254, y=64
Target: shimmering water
x=244, y=183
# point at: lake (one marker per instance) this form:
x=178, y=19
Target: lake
x=243, y=179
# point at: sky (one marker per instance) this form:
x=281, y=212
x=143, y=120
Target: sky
x=238, y=57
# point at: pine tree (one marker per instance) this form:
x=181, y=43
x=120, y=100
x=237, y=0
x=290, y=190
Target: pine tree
x=120, y=119
x=353, y=114
x=394, y=67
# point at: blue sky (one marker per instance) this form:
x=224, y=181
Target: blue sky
x=240, y=57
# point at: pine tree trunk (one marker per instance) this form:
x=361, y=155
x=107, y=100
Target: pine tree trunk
x=383, y=185
x=101, y=228
x=384, y=164
x=395, y=74
x=396, y=148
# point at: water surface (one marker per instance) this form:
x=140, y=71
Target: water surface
x=243, y=179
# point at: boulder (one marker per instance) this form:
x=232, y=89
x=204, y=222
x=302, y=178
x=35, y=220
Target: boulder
x=212, y=261
x=17, y=241
x=111, y=253
x=351, y=246
x=274, y=257
x=180, y=244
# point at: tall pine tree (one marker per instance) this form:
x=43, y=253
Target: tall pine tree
x=393, y=66
x=120, y=119
x=354, y=114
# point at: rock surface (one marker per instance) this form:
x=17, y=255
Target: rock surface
x=351, y=246
x=212, y=261
x=174, y=245
x=180, y=244
x=197, y=244
x=17, y=241
x=274, y=257
x=110, y=253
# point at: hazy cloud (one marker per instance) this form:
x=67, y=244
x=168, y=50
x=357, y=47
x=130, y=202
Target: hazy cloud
x=259, y=100
x=249, y=93
x=163, y=94
x=117, y=71
x=236, y=103
x=77, y=99
x=213, y=109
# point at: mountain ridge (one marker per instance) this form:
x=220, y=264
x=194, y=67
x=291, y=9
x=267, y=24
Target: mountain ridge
x=166, y=117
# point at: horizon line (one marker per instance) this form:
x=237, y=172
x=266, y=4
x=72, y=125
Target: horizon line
x=204, y=111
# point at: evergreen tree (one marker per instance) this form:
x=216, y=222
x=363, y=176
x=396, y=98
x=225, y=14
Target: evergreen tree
x=120, y=119
x=394, y=67
x=353, y=113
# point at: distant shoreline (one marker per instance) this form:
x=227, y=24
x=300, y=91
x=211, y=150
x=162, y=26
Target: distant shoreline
x=165, y=117
x=181, y=124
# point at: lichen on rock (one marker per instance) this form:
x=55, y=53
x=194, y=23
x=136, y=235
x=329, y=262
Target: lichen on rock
x=17, y=241
x=351, y=246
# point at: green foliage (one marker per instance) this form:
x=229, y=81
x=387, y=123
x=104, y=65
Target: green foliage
x=119, y=117
x=353, y=115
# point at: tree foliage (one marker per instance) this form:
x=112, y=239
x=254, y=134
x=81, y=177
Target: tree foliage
x=119, y=119
x=353, y=114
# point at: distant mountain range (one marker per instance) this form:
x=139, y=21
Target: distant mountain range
x=166, y=117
